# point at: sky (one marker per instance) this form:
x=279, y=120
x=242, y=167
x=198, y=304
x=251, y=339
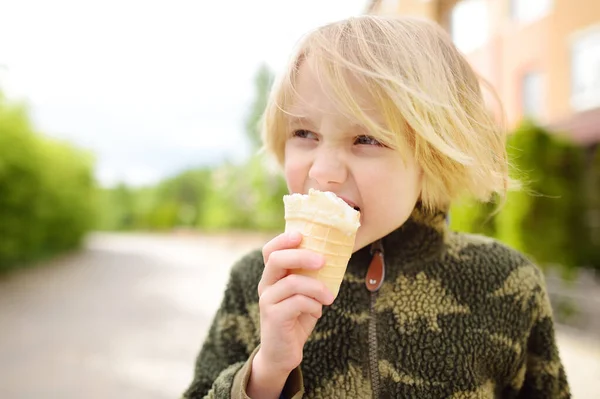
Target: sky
x=150, y=87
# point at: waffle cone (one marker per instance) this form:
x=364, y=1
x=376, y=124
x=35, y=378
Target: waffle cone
x=333, y=238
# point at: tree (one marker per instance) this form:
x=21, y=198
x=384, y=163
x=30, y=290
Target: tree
x=553, y=219
x=263, y=81
x=47, y=191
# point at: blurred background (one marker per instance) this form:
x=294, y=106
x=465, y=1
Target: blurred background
x=130, y=180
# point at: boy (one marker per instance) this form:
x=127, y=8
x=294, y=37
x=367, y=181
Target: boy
x=385, y=113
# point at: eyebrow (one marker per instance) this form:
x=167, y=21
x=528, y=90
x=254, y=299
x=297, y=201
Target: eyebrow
x=300, y=120
x=297, y=120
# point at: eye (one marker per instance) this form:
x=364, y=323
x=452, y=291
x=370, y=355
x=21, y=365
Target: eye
x=367, y=140
x=304, y=134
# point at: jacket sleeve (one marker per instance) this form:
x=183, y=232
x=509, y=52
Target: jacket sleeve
x=544, y=373
x=232, y=337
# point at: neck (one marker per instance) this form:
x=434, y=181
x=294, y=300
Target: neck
x=420, y=238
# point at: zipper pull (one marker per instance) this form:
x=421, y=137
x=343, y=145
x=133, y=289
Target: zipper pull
x=376, y=271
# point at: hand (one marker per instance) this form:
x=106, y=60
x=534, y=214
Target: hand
x=290, y=306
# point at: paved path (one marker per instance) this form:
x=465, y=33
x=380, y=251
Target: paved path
x=125, y=318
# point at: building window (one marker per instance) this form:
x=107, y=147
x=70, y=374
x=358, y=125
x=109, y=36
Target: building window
x=469, y=24
x=529, y=10
x=585, y=71
x=532, y=92
x=387, y=7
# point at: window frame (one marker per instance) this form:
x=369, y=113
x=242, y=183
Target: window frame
x=588, y=99
x=537, y=81
x=512, y=12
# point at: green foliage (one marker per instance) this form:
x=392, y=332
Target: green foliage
x=175, y=202
x=178, y=201
x=508, y=224
x=472, y=216
x=262, y=84
x=592, y=184
x=118, y=208
x=47, y=191
x=247, y=197
x=549, y=218
x=558, y=206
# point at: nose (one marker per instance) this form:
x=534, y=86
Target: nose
x=328, y=168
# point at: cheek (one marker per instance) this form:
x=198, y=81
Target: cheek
x=391, y=186
x=295, y=171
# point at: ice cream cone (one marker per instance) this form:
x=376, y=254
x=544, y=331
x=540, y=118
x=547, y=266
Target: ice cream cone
x=328, y=226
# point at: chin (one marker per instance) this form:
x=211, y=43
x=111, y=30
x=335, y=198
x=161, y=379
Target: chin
x=367, y=237
x=361, y=241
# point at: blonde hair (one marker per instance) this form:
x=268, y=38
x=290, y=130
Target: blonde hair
x=426, y=92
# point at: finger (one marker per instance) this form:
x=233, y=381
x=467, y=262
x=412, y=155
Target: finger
x=280, y=262
x=294, y=284
x=296, y=305
x=282, y=241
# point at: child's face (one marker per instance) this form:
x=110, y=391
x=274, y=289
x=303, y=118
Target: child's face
x=328, y=151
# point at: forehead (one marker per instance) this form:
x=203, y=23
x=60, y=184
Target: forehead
x=316, y=90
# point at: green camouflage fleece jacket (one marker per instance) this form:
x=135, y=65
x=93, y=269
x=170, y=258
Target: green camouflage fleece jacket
x=458, y=316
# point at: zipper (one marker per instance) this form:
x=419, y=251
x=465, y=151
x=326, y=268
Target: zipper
x=373, y=281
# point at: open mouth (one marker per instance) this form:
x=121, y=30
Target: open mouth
x=351, y=204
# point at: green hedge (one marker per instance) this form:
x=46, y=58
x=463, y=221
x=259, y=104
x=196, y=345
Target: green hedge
x=245, y=196
x=47, y=191
x=549, y=219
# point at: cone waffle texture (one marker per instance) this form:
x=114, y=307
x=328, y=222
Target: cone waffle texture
x=328, y=226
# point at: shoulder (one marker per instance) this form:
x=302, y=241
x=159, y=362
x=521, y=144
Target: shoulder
x=498, y=274
x=241, y=287
x=247, y=271
x=501, y=263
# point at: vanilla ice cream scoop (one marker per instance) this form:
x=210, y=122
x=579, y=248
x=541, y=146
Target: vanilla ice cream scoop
x=328, y=226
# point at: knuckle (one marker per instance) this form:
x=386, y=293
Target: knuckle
x=297, y=301
x=274, y=259
x=263, y=302
x=271, y=247
x=265, y=252
x=304, y=301
x=262, y=287
x=261, y=284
